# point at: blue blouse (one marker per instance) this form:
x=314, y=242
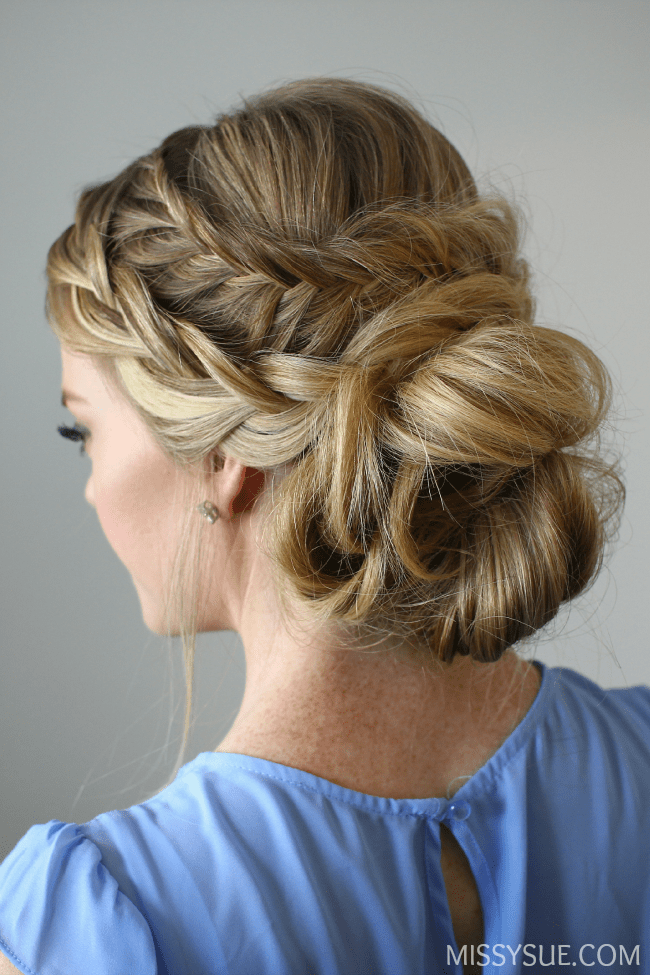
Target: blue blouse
x=247, y=867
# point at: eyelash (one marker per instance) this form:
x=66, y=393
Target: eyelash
x=76, y=433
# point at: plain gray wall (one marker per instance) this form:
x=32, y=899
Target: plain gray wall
x=548, y=98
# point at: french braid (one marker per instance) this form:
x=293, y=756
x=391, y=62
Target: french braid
x=314, y=282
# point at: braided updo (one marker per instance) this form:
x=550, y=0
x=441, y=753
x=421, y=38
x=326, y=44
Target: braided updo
x=313, y=282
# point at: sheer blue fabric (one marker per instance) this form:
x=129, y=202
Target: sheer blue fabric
x=247, y=867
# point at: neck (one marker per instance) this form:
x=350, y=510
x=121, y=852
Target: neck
x=380, y=721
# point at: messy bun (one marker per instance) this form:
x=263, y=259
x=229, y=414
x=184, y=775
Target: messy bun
x=314, y=284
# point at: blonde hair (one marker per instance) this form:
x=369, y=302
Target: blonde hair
x=314, y=281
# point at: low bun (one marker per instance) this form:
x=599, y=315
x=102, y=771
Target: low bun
x=461, y=507
x=314, y=286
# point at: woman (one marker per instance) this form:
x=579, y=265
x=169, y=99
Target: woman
x=301, y=355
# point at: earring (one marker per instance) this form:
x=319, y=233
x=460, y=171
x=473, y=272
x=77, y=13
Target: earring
x=208, y=511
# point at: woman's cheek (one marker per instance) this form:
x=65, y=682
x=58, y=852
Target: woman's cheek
x=131, y=520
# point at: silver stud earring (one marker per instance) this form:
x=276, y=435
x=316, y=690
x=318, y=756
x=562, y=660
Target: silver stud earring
x=208, y=511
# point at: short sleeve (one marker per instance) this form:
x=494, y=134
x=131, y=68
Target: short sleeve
x=63, y=913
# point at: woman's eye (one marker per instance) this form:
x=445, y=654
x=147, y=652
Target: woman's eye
x=78, y=433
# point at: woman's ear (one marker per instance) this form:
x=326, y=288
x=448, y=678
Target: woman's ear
x=251, y=485
x=237, y=486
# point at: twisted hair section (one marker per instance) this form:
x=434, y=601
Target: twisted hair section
x=314, y=284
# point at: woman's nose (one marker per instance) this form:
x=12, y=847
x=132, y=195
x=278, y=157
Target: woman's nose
x=89, y=493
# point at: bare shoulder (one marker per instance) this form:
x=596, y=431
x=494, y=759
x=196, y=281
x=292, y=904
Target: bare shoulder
x=6, y=968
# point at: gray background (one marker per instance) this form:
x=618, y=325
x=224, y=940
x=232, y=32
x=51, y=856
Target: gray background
x=545, y=98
